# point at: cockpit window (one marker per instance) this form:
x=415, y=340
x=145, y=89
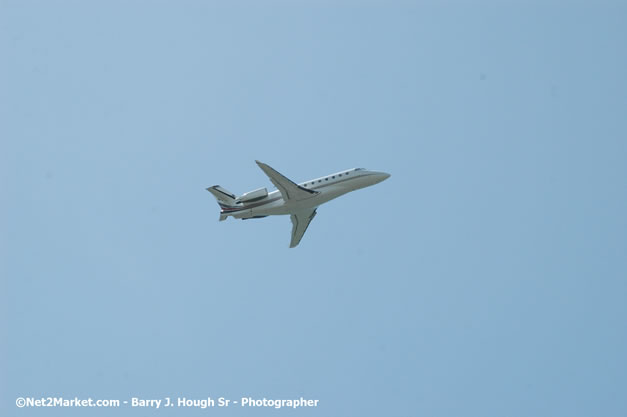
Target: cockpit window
x=360, y=169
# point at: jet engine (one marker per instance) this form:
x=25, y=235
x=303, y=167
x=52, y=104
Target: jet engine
x=255, y=195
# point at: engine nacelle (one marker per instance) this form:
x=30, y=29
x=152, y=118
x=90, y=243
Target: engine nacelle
x=255, y=195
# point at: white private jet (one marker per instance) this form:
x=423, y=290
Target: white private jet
x=300, y=201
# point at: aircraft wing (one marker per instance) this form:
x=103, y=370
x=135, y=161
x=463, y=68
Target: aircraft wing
x=289, y=190
x=300, y=222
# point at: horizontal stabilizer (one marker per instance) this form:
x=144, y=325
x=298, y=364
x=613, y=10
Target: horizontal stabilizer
x=222, y=195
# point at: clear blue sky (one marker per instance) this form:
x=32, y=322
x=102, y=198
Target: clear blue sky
x=486, y=277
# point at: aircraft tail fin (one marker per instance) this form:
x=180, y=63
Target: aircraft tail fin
x=225, y=199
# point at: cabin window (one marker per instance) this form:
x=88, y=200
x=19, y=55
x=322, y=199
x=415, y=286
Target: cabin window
x=347, y=173
x=326, y=179
x=340, y=175
x=333, y=177
x=319, y=180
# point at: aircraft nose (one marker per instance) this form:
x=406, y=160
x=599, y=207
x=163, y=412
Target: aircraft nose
x=382, y=176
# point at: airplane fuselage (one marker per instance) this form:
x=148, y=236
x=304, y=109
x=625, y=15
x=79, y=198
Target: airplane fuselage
x=300, y=201
x=327, y=188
